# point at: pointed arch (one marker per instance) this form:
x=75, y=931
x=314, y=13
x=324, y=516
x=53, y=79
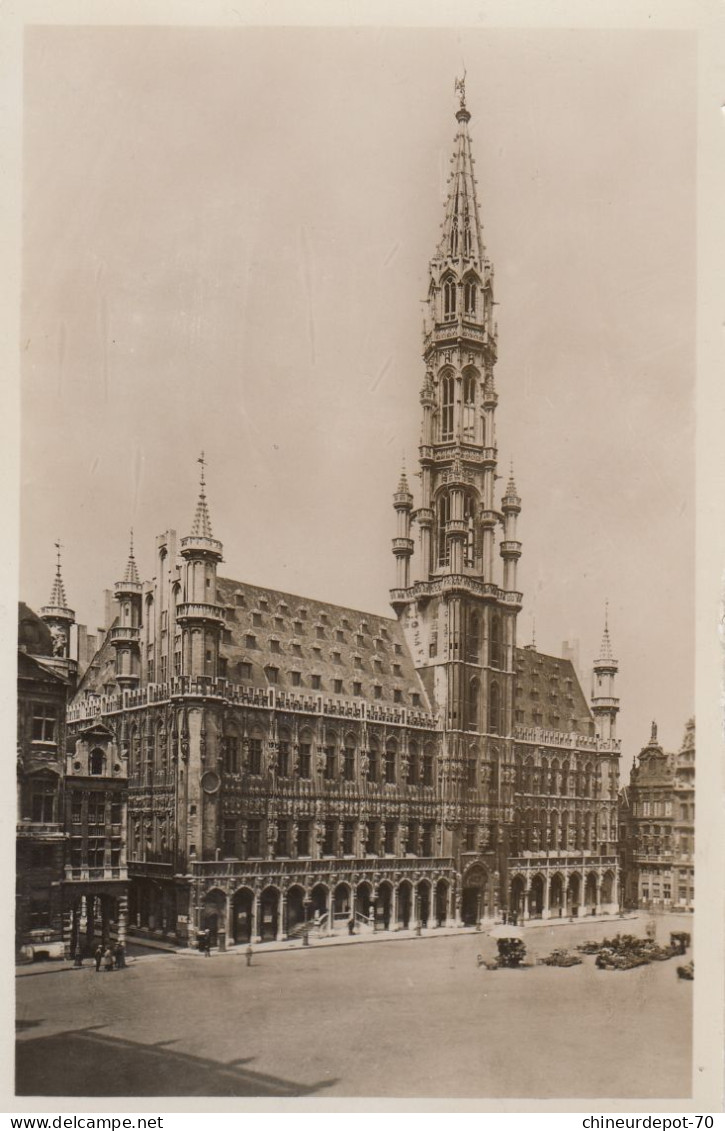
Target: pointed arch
x=472, y=701
x=494, y=650
x=449, y=295
x=494, y=709
x=447, y=394
x=470, y=290
x=443, y=515
x=473, y=638
x=470, y=387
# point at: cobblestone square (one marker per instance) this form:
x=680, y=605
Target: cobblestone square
x=406, y=1017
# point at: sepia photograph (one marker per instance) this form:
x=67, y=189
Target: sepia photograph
x=356, y=727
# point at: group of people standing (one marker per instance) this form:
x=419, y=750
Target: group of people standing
x=110, y=958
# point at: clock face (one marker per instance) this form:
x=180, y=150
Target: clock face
x=210, y=782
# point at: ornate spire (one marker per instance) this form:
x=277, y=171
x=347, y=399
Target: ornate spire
x=462, y=237
x=201, y=527
x=605, y=650
x=131, y=573
x=57, y=594
x=511, y=495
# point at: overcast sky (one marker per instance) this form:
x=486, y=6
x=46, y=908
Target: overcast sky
x=226, y=240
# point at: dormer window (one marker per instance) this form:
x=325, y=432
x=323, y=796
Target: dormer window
x=256, y=618
x=274, y=645
x=272, y=674
x=264, y=603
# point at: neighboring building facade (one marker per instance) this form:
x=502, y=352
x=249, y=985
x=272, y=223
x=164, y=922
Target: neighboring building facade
x=657, y=827
x=291, y=760
x=71, y=878
x=40, y=845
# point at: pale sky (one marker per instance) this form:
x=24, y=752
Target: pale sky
x=226, y=241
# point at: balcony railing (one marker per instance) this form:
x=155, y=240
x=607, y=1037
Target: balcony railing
x=40, y=829
x=331, y=865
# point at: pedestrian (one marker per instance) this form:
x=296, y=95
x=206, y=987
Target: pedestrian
x=108, y=959
x=248, y=954
x=120, y=956
x=351, y=926
x=207, y=944
x=99, y=958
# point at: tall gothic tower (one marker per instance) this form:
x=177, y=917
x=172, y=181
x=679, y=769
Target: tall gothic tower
x=459, y=616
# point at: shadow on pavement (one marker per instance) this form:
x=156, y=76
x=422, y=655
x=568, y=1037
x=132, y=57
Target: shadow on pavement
x=84, y=1062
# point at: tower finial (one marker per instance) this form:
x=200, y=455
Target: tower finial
x=131, y=573
x=460, y=89
x=533, y=632
x=653, y=735
x=57, y=596
x=201, y=527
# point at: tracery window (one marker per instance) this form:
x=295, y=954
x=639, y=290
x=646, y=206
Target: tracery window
x=494, y=709
x=469, y=291
x=444, y=514
x=495, y=642
x=469, y=406
x=474, y=687
x=448, y=397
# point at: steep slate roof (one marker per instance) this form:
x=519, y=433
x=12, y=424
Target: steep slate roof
x=33, y=633
x=101, y=672
x=296, y=634
x=549, y=686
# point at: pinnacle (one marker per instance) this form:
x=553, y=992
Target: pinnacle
x=201, y=527
x=605, y=651
x=57, y=595
x=131, y=573
x=461, y=238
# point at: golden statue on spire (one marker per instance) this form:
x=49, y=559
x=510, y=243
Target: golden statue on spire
x=460, y=89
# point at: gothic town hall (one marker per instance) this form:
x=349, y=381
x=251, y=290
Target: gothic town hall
x=283, y=762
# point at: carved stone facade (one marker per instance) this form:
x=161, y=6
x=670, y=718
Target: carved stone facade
x=292, y=761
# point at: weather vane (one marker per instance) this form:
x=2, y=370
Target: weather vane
x=460, y=88
x=202, y=461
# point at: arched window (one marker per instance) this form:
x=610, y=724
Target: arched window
x=391, y=750
x=469, y=293
x=449, y=298
x=469, y=515
x=97, y=761
x=448, y=395
x=444, y=514
x=373, y=759
x=474, y=688
x=494, y=709
x=473, y=639
x=428, y=763
x=413, y=768
x=470, y=384
x=454, y=231
x=495, y=642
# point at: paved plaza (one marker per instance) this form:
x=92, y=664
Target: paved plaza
x=401, y=1017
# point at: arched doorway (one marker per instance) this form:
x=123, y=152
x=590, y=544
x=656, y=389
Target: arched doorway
x=607, y=888
x=556, y=896
x=441, y=902
x=242, y=907
x=342, y=904
x=295, y=908
x=474, y=898
x=574, y=893
x=424, y=902
x=518, y=892
x=536, y=899
x=318, y=908
x=383, y=905
x=363, y=899
x=405, y=904
x=268, y=914
x=212, y=914
x=590, y=893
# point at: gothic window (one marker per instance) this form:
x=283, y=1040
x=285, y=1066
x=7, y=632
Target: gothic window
x=427, y=774
x=283, y=754
x=371, y=845
x=348, y=838
x=305, y=755
x=495, y=642
x=328, y=842
x=469, y=513
x=329, y=771
x=448, y=394
x=255, y=755
x=348, y=763
x=471, y=773
x=494, y=709
x=254, y=838
x=303, y=838
x=390, y=831
x=391, y=750
x=454, y=232
x=427, y=840
x=469, y=291
x=444, y=514
x=373, y=760
x=412, y=763
x=472, y=704
x=469, y=406
x=229, y=841
x=97, y=760
x=282, y=846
